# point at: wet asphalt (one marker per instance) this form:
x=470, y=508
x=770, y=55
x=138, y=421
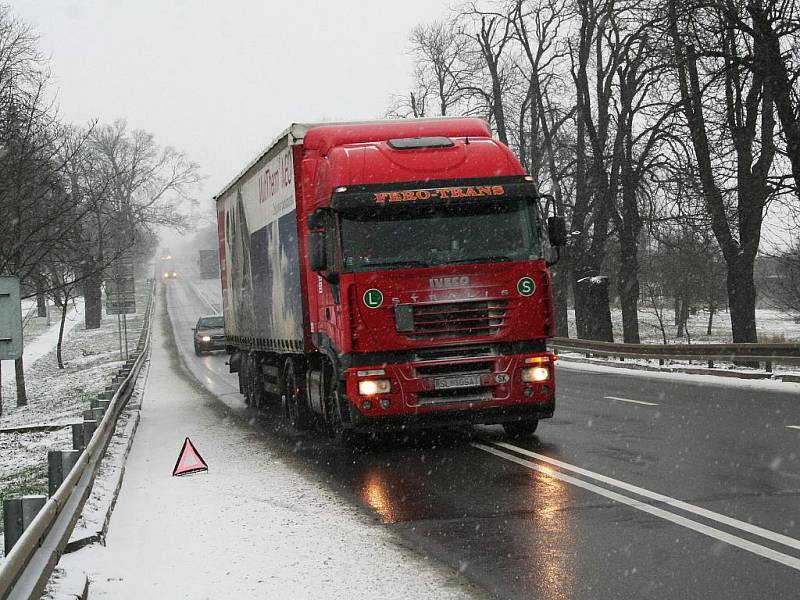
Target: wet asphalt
x=663, y=488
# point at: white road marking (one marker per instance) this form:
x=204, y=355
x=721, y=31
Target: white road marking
x=733, y=540
x=203, y=297
x=691, y=508
x=629, y=400
x=793, y=427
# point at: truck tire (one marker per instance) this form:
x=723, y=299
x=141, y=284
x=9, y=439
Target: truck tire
x=521, y=429
x=294, y=398
x=342, y=435
x=244, y=380
x=258, y=396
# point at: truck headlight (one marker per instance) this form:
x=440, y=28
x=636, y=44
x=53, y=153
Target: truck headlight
x=370, y=387
x=206, y=338
x=535, y=374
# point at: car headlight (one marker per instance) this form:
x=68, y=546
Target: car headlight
x=535, y=374
x=206, y=338
x=370, y=387
x=174, y=274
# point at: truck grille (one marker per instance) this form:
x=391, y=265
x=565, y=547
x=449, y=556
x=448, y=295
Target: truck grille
x=452, y=319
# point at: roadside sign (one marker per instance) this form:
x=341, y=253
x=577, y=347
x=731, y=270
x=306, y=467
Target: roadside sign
x=121, y=289
x=10, y=319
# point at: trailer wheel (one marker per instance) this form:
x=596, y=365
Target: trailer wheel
x=255, y=381
x=521, y=429
x=244, y=379
x=294, y=398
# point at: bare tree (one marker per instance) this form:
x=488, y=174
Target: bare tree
x=730, y=116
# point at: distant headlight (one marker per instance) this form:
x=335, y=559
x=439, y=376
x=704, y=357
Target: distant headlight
x=174, y=274
x=165, y=275
x=535, y=374
x=370, y=387
x=206, y=338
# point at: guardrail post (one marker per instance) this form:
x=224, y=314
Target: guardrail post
x=711, y=364
x=89, y=427
x=59, y=464
x=768, y=366
x=18, y=513
x=99, y=403
x=77, y=437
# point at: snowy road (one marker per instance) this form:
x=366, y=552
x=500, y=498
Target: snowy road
x=640, y=487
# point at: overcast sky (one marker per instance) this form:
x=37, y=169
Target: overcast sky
x=221, y=79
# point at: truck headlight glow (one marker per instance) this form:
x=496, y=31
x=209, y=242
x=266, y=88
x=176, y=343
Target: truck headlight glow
x=370, y=387
x=206, y=338
x=535, y=374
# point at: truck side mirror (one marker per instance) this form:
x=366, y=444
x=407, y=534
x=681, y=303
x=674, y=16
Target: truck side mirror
x=316, y=251
x=316, y=220
x=557, y=231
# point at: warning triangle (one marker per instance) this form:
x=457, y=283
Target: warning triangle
x=189, y=460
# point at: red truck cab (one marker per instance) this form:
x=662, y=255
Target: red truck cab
x=426, y=288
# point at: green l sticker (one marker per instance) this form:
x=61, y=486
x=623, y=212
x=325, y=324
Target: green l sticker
x=526, y=286
x=373, y=298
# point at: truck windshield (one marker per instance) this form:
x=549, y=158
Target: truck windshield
x=436, y=235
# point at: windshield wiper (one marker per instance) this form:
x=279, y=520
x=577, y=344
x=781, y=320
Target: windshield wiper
x=482, y=259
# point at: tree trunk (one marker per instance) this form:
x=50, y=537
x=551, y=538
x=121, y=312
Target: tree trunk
x=1, y=388
x=93, y=297
x=628, y=288
x=41, y=304
x=591, y=297
x=64, y=308
x=560, y=295
x=682, y=317
x=742, y=300
x=19, y=370
x=711, y=308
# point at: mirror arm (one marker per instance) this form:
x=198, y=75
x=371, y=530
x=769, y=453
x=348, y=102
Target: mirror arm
x=550, y=263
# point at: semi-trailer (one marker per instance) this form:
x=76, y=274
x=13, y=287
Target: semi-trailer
x=389, y=274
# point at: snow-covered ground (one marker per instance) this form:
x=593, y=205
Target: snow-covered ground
x=250, y=527
x=55, y=396
x=772, y=326
x=42, y=341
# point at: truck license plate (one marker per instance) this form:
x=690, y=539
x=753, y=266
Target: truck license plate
x=459, y=381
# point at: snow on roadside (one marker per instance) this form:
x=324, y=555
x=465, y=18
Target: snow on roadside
x=42, y=344
x=757, y=384
x=55, y=396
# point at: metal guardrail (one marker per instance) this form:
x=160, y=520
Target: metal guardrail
x=25, y=571
x=768, y=353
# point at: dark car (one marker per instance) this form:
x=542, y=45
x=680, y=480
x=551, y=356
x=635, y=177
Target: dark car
x=209, y=334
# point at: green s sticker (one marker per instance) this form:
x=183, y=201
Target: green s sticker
x=526, y=286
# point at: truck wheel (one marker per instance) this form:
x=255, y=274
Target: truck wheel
x=342, y=435
x=256, y=384
x=244, y=379
x=295, y=401
x=521, y=429
x=197, y=350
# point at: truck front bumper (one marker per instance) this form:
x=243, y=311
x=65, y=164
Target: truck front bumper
x=481, y=389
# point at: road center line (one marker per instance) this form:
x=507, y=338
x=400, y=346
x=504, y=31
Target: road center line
x=733, y=540
x=629, y=400
x=680, y=504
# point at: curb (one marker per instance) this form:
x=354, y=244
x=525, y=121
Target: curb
x=686, y=370
x=93, y=525
x=72, y=587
